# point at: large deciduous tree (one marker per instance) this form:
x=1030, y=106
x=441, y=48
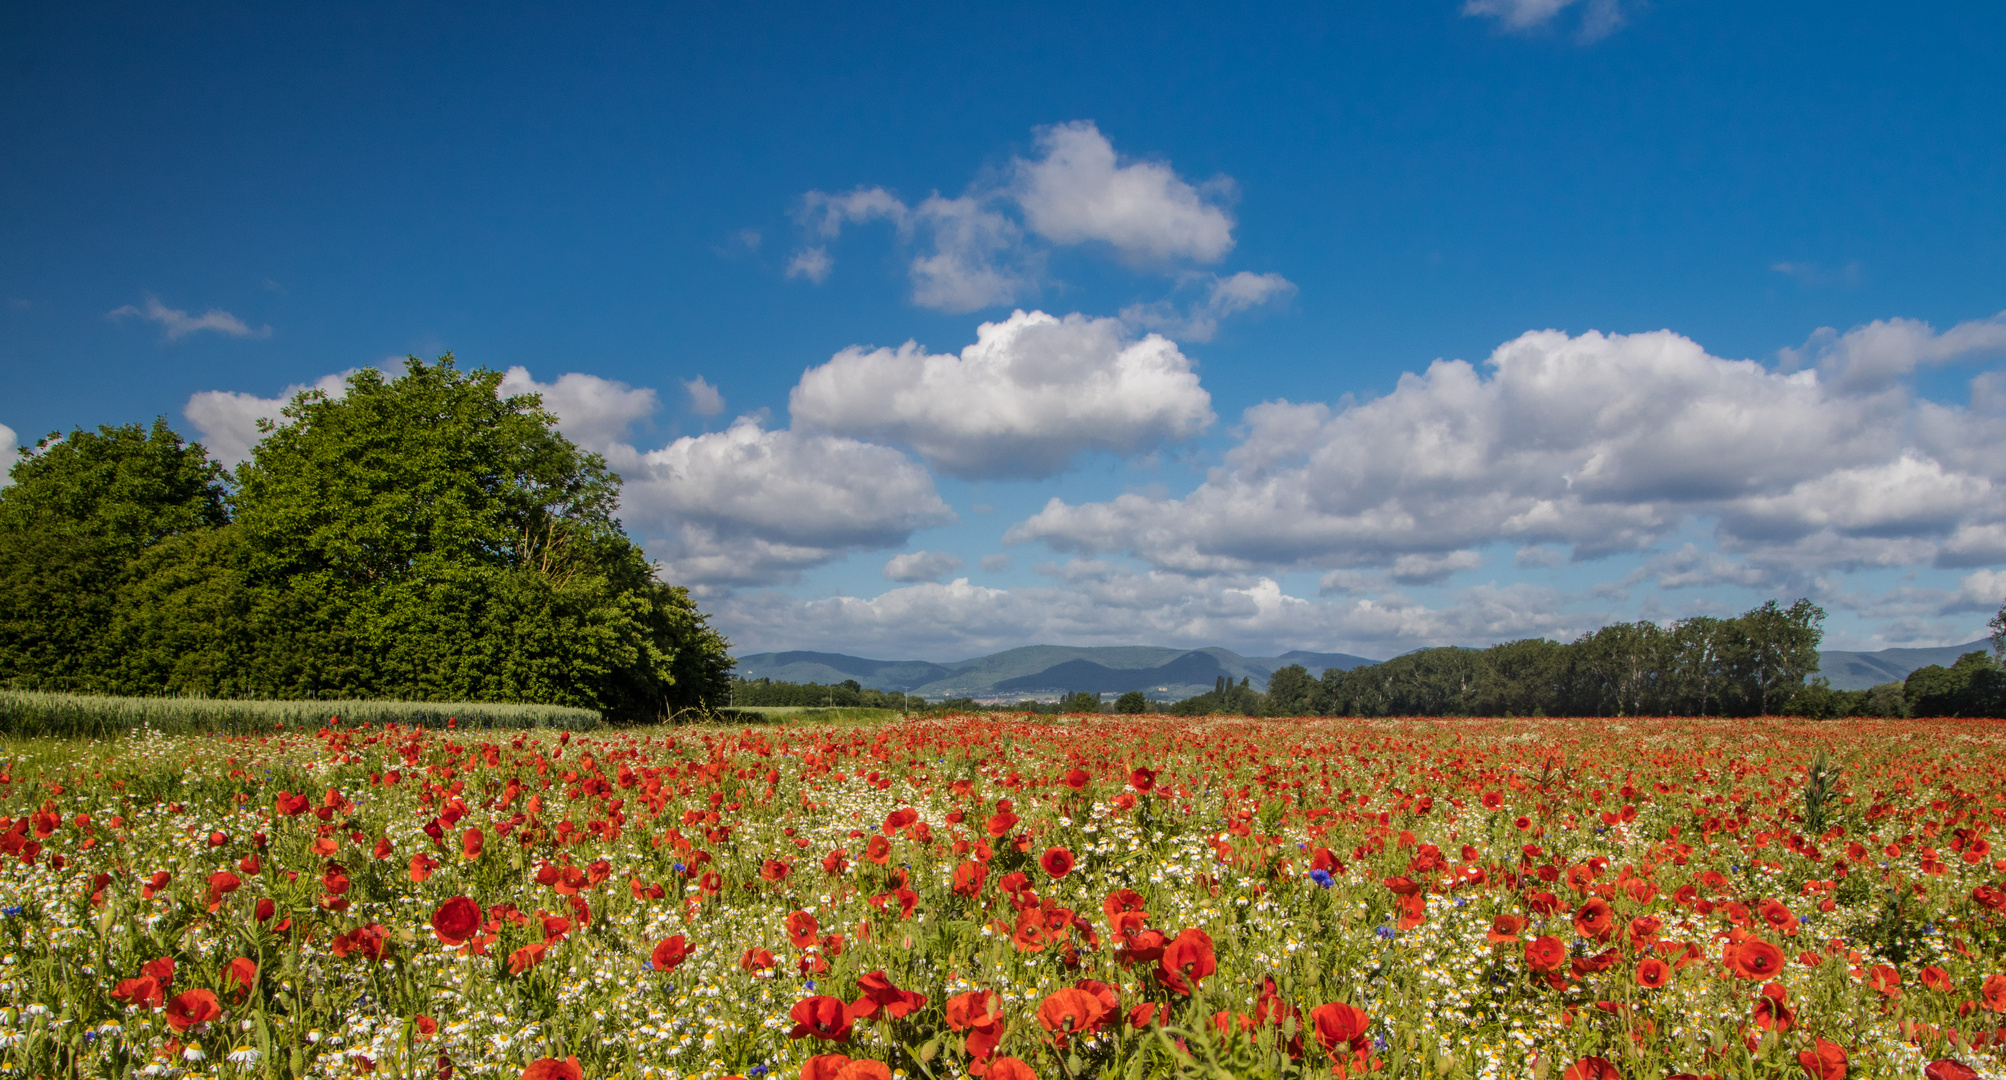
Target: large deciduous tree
x=419, y=537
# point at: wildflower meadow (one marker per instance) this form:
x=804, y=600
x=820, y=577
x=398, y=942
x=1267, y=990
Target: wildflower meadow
x=1070, y=898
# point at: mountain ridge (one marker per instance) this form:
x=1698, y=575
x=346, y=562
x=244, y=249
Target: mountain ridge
x=1165, y=674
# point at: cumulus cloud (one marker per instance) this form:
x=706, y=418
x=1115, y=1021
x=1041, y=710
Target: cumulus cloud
x=593, y=412
x=981, y=248
x=228, y=419
x=176, y=324
x=1033, y=392
x=10, y=452
x=1080, y=192
x=1090, y=602
x=1871, y=358
x=921, y=566
x=1599, y=18
x=1600, y=442
x=704, y=398
x=1225, y=296
x=812, y=263
x=752, y=506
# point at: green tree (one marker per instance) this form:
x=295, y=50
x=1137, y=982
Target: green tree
x=1132, y=703
x=425, y=537
x=80, y=511
x=1081, y=701
x=1779, y=648
x=1289, y=691
x=1974, y=686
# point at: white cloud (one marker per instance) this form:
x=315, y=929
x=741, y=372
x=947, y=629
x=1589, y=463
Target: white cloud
x=1599, y=18
x=704, y=398
x=750, y=506
x=10, y=452
x=1079, y=192
x=1225, y=296
x=996, y=563
x=593, y=412
x=1982, y=590
x=176, y=324
x=1097, y=603
x=228, y=419
x=978, y=249
x=921, y=566
x=812, y=263
x=1870, y=358
x=1600, y=442
x=1029, y=395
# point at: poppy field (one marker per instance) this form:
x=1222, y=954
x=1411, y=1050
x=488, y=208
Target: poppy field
x=1119, y=897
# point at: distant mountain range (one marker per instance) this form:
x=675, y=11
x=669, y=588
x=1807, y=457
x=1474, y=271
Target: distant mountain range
x=1860, y=670
x=1042, y=671
x=1045, y=671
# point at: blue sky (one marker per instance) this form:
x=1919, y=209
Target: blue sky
x=1343, y=327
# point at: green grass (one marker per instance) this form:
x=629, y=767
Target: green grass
x=39, y=713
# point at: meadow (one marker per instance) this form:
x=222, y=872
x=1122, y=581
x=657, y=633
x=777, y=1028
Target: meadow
x=1010, y=897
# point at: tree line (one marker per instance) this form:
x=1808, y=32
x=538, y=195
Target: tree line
x=420, y=537
x=1758, y=663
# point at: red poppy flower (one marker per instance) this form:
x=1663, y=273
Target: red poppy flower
x=668, y=953
x=878, y=849
x=824, y=1066
x=1190, y=957
x=1936, y=979
x=526, y=957
x=1341, y=1029
x=553, y=1069
x=192, y=1007
x=1057, y=861
x=1545, y=953
x=1949, y=1069
x=974, y=1009
x=144, y=990
x=880, y=996
x=1755, y=958
x=1592, y=1068
x=221, y=883
x=774, y=871
x=802, y=928
x=968, y=879
x=471, y=843
x=1009, y=1068
x=456, y=920
x=1071, y=1011
x=1885, y=979
x=243, y=972
x=864, y=1069
x=1076, y=779
x=1504, y=928
x=822, y=1016
x=1825, y=1061
x=1994, y=993
x=1653, y=973
x=1594, y=919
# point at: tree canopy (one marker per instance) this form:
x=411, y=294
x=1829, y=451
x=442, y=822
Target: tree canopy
x=419, y=537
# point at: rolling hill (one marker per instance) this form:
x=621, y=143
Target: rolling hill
x=1047, y=671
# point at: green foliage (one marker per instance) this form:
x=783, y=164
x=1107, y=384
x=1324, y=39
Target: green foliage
x=1974, y=686
x=419, y=538
x=1754, y=664
x=81, y=509
x=37, y=714
x=1133, y=703
x=1081, y=701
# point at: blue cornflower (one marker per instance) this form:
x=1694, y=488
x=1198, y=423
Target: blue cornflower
x=679, y=868
x=1321, y=877
x=811, y=984
x=10, y=912
x=757, y=1070
x=1385, y=932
